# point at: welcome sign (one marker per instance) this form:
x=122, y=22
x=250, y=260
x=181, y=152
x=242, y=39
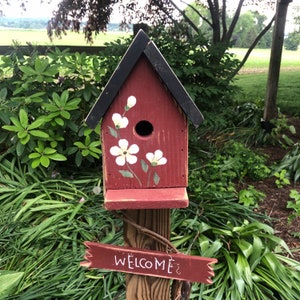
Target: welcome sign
x=151, y=263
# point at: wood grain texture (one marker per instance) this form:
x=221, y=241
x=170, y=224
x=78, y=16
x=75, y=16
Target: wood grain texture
x=146, y=198
x=146, y=287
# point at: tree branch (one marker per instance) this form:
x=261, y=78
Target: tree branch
x=235, y=19
x=198, y=13
x=186, y=18
x=255, y=42
x=224, y=25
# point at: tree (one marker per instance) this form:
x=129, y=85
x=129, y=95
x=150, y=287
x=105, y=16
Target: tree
x=5, y=3
x=270, y=111
x=70, y=15
x=293, y=40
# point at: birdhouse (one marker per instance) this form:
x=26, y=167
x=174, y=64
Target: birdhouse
x=144, y=131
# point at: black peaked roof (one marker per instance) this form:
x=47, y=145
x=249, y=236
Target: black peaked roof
x=143, y=45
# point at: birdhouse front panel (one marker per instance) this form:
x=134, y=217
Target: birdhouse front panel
x=144, y=135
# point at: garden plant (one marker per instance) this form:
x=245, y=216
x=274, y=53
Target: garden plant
x=50, y=180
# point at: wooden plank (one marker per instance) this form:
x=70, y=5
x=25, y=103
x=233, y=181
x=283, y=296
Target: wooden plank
x=157, y=220
x=142, y=46
x=146, y=198
x=151, y=263
x=117, y=79
x=154, y=105
x=173, y=84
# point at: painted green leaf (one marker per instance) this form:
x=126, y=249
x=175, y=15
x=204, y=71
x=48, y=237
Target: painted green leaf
x=126, y=173
x=145, y=166
x=113, y=132
x=156, y=178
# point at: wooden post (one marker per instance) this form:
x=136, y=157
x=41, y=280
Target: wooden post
x=144, y=134
x=158, y=220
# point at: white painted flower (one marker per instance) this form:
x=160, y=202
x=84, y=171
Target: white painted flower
x=131, y=102
x=123, y=153
x=156, y=158
x=119, y=121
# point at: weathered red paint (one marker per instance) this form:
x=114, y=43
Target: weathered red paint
x=169, y=134
x=146, y=198
x=155, y=105
x=151, y=263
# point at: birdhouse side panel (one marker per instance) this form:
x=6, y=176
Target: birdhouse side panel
x=144, y=135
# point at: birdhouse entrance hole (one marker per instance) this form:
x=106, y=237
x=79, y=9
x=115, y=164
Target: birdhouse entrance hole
x=144, y=128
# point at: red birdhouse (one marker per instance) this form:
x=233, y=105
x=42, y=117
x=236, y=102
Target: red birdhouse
x=144, y=131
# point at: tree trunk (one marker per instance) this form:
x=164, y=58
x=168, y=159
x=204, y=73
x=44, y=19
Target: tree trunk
x=270, y=111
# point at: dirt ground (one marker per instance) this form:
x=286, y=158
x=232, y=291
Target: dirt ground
x=275, y=202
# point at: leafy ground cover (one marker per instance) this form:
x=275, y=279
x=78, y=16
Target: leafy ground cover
x=50, y=205
x=252, y=79
x=275, y=202
x=253, y=83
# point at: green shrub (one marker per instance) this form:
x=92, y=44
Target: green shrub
x=290, y=163
x=294, y=205
x=192, y=59
x=234, y=161
x=44, y=101
x=43, y=224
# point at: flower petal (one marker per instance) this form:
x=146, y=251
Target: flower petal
x=120, y=160
x=123, y=122
x=119, y=121
x=150, y=156
x=115, y=151
x=131, y=101
x=131, y=159
x=158, y=154
x=133, y=149
x=116, y=118
x=123, y=144
x=162, y=161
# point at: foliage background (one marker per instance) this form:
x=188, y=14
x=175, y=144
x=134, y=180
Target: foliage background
x=49, y=207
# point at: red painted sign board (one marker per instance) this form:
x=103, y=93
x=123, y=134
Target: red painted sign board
x=148, y=262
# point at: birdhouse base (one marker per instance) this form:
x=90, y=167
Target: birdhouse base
x=146, y=198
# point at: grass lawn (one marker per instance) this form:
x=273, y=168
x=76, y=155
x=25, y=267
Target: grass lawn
x=253, y=79
x=259, y=58
x=39, y=37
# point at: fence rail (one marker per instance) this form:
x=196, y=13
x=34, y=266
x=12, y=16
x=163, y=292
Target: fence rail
x=6, y=50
